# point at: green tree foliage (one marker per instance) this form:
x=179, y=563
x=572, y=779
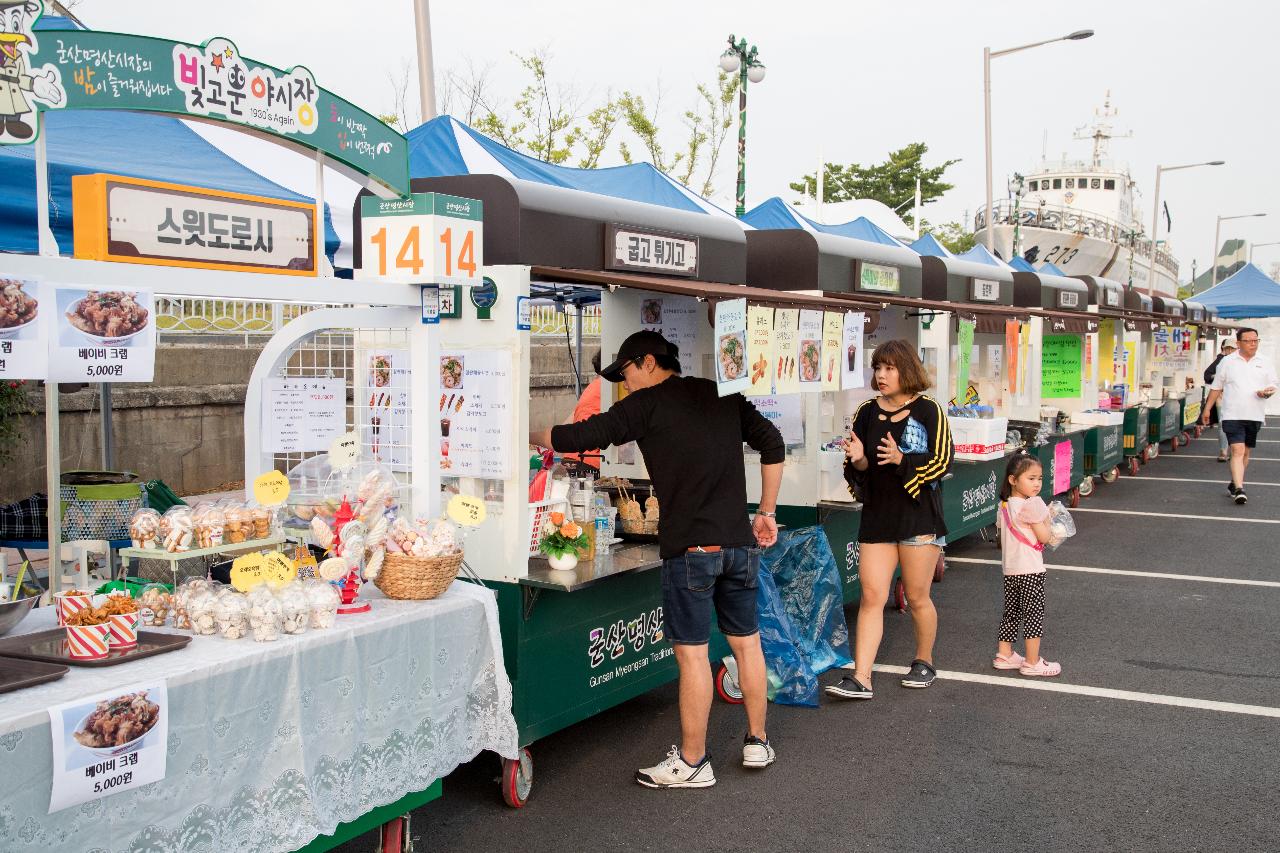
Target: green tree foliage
x=892, y=182
x=953, y=235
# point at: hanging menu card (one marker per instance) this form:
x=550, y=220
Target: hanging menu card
x=786, y=335
x=301, y=415
x=760, y=346
x=474, y=413
x=676, y=319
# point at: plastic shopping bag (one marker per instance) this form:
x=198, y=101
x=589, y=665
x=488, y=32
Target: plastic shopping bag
x=1061, y=525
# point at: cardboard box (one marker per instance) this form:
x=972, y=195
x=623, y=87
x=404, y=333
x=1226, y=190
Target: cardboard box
x=978, y=438
x=831, y=483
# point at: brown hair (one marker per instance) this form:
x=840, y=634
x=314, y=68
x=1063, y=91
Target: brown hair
x=902, y=355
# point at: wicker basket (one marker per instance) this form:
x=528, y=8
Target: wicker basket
x=417, y=578
x=637, y=526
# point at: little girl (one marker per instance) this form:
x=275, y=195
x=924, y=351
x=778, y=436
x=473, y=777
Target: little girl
x=1024, y=528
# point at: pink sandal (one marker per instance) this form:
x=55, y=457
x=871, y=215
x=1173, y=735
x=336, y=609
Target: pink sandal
x=1013, y=661
x=1041, y=667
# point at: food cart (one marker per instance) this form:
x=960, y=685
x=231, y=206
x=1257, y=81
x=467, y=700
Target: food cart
x=1103, y=444
x=344, y=728
x=1203, y=350
x=1169, y=365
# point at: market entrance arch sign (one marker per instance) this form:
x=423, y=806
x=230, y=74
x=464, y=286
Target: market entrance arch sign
x=88, y=70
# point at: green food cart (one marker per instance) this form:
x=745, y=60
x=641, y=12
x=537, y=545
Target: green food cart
x=1191, y=405
x=1164, y=424
x=1062, y=459
x=1103, y=455
x=1136, y=436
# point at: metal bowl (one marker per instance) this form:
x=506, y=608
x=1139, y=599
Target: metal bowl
x=12, y=612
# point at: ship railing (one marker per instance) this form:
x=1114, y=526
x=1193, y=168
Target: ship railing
x=1061, y=218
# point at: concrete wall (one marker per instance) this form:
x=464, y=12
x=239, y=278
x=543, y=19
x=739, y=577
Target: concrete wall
x=187, y=427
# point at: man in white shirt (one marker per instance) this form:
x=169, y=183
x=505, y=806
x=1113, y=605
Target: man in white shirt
x=1244, y=382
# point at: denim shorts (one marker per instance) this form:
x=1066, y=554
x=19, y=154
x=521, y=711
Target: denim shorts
x=1241, y=432
x=694, y=582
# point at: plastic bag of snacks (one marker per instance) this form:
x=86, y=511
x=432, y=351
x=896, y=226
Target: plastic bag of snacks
x=262, y=522
x=231, y=613
x=265, y=614
x=181, y=529
x=210, y=523
x=144, y=529
x=376, y=496
x=1061, y=525
x=200, y=606
x=239, y=525
x=156, y=601
x=295, y=608
x=188, y=588
x=323, y=599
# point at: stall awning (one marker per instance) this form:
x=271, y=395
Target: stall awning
x=713, y=291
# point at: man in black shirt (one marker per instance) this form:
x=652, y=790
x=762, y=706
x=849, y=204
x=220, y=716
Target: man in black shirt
x=692, y=438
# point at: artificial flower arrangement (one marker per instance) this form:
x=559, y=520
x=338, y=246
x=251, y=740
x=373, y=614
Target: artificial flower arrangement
x=563, y=539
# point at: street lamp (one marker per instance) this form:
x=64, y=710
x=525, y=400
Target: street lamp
x=1217, y=231
x=738, y=58
x=1253, y=246
x=987, y=55
x=1155, y=219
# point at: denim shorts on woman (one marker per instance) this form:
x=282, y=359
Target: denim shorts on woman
x=694, y=582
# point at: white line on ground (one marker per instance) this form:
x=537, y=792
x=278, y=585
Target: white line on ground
x=1128, y=573
x=1180, y=515
x=1102, y=692
x=1194, y=456
x=1260, y=441
x=1219, y=482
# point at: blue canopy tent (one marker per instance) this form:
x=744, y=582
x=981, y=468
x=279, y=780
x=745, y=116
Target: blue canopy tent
x=927, y=244
x=1052, y=269
x=139, y=145
x=776, y=213
x=979, y=254
x=1021, y=265
x=1247, y=294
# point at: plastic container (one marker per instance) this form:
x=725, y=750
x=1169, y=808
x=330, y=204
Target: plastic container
x=295, y=609
x=231, y=614
x=265, y=615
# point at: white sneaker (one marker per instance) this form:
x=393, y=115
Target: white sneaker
x=675, y=772
x=756, y=752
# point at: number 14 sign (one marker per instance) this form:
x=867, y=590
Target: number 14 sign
x=427, y=238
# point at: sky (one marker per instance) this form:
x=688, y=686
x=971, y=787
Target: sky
x=848, y=81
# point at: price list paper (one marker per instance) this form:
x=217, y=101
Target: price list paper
x=810, y=356
x=731, y=347
x=676, y=319
x=832, y=350
x=385, y=418
x=786, y=336
x=102, y=335
x=303, y=415
x=760, y=348
x=107, y=743
x=474, y=414
x=852, y=358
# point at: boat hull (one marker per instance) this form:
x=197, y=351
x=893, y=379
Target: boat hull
x=1079, y=254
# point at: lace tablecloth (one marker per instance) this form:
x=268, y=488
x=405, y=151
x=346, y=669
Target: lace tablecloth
x=272, y=744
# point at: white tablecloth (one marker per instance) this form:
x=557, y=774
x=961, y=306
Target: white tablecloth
x=272, y=744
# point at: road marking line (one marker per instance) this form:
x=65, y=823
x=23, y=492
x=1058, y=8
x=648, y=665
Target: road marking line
x=1260, y=441
x=1194, y=456
x=1128, y=573
x=1180, y=515
x=1218, y=481
x=1102, y=692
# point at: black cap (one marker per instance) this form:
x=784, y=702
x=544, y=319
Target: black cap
x=636, y=347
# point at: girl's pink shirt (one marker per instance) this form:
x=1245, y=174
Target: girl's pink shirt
x=1017, y=558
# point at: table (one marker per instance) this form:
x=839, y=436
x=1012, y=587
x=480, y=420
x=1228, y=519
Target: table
x=274, y=744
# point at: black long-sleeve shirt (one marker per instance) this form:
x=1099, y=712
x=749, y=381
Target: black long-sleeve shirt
x=691, y=438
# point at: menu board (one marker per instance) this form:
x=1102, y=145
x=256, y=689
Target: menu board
x=300, y=415
x=851, y=363
x=474, y=416
x=102, y=335
x=676, y=319
x=1061, y=361
x=964, y=356
x=832, y=348
x=786, y=337
x=731, y=347
x=760, y=345
x=25, y=309
x=385, y=413
x=809, y=359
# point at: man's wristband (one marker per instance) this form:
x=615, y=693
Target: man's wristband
x=766, y=514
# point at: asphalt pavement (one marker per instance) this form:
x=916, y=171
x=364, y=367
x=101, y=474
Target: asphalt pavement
x=1162, y=733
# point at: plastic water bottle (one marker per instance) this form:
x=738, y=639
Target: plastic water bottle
x=602, y=526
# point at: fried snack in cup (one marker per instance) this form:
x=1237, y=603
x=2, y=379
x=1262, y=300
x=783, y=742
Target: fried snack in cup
x=69, y=603
x=88, y=642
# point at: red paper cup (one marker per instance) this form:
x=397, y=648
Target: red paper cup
x=87, y=642
x=124, y=630
x=65, y=604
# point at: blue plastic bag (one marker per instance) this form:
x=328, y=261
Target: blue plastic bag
x=801, y=603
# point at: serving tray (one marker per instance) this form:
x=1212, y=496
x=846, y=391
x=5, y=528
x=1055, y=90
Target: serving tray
x=50, y=646
x=17, y=674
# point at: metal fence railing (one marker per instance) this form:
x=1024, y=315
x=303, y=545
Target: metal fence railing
x=546, y=321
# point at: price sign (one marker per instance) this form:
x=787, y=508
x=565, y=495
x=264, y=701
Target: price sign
x=271, y=489
x=427, y=238
x=248, y=571
x=467, y=511
x=344, y=451
x=279, y=569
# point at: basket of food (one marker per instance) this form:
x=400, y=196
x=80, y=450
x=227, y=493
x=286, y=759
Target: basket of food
x=421, y=561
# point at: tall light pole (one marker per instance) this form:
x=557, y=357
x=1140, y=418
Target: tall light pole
x=1253, y=246
x=1155, y=221
x=987, y=55
x=743, y=60
x=1217, y=233
x=426, y=70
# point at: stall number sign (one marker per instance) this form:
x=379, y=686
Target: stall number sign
x=1068, y=299
x=427, y=238
x=629, y=248
x=1112, y=298
x=877, y=277
x=984, y=290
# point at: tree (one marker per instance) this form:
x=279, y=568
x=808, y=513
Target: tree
x=892, y=182
x=952, y=235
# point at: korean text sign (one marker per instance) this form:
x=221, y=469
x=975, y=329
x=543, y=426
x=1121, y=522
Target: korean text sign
x=427, y=238
x=102, y=335
x=26, y=307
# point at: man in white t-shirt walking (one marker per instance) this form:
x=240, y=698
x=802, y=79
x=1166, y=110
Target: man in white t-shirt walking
x=1244, y=382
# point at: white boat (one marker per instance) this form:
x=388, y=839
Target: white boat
x=1081, y=217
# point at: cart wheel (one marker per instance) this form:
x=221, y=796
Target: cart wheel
x=1186, y=438
x=517, y=779
x=392, y=837
x=1153, y=450
x=1199, y=430
x=1112, y=475
x=940, y=567
x=1073, y=497
x=1133, y=466
x=727, y=687
x=899, y=596
x=1086, y=487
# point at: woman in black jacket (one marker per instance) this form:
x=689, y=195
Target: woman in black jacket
x=1228, y=347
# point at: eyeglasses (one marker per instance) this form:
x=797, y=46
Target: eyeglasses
x=1247, y=340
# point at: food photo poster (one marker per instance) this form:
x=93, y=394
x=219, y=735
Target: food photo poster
x=102, y=335
x=731, y=347
x=111, y=742
x=25, y=308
